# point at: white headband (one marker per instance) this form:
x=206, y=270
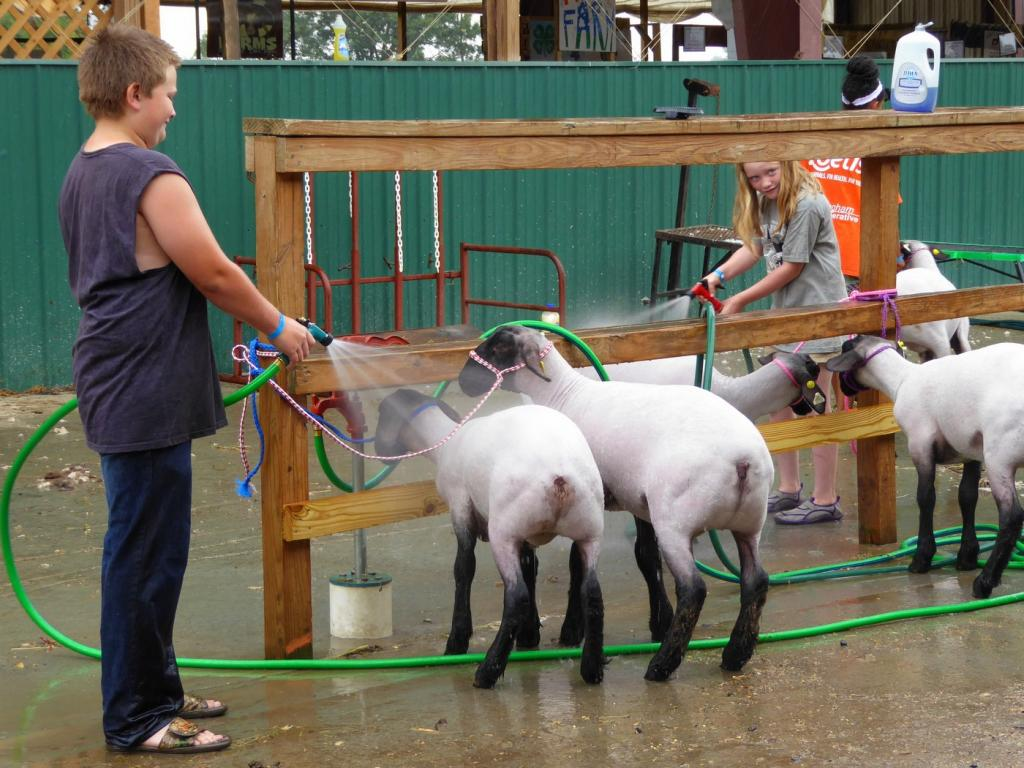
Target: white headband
x=860, y=101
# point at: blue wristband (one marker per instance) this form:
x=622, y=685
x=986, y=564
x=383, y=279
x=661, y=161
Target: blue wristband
x=278, y=330
x=720, y=275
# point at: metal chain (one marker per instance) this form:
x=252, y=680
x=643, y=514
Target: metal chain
x=350, y=194
x=309, y=217
x=437, y=229
x=398, y=221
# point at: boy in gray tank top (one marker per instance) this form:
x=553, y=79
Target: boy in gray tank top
x=142, y=263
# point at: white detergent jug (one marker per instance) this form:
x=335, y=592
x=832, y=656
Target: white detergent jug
x=915, y=74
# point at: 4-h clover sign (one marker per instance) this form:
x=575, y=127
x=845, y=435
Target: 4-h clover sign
x=543, y=41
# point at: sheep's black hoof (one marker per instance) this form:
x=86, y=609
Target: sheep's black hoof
x=735, y=657
x=456, y=646
x=592, y=670
x=528, y=638
x=570, y=637
x=486, y=678
x=571, y=633
x=983, y=587
x=659, y=670
x=920, y=564
x=967, y=559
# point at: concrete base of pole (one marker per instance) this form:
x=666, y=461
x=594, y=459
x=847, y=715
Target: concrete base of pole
x=361, y=605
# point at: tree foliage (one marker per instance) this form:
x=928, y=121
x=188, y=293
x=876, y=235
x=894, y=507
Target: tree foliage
x=373, y=36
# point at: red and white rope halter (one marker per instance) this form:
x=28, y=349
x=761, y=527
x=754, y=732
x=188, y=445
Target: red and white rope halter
x=241, y=354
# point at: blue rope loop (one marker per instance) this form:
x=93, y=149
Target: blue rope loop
x=243, y=486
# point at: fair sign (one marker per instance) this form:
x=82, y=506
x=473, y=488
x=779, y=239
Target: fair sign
x=587, y=25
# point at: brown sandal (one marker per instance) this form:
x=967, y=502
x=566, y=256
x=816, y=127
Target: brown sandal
x=180, y=739
x=196, y=708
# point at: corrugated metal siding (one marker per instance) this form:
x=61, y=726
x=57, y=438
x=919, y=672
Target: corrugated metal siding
x=600, y=223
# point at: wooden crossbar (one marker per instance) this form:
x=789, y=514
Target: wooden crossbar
x=421, y=364
x=395, y=504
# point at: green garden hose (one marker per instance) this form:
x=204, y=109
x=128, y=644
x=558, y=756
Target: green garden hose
x=430, y=661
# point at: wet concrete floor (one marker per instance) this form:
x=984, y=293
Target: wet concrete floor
x=943, y=691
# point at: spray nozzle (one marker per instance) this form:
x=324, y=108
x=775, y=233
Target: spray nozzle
x=319, y=334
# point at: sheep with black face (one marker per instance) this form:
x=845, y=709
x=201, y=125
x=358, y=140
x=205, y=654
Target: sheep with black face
x=517, y=479
x=962, y=408
x=676, y=456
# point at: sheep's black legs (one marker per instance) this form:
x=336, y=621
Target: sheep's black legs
x=517, y=607
x=462, y=617
x=572, y=627
x=690, y=594
x=649, y=561
x=592, y=660
x=753, y=593
x=1011, y=517
x=529, y=633
x=967, y=556
x=922, y=561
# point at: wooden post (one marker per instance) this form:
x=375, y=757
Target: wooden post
x=502, y=30
x=232, y=43
x=403, y=31
x=280, y=232
x=138, y=13
x=879, y=245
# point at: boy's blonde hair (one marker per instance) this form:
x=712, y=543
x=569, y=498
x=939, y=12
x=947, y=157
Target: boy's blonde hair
x=116, y=57
x=794, y=182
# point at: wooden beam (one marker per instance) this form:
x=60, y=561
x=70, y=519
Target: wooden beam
x=421, y=364
x=395, y=504
x=866, y=120
x=354, y=511
x=280, y=232
x=615, y=151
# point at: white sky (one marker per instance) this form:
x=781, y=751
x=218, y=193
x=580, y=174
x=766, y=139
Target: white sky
x=178, y=27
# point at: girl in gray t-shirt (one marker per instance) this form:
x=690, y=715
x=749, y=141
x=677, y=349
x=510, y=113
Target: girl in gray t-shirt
x=783, y=218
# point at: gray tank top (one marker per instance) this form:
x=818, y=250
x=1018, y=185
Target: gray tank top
x=144, y=368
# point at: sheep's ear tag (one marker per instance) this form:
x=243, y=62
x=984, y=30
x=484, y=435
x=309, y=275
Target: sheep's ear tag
x=810, y=385
x=902, y=347
x=541, y=363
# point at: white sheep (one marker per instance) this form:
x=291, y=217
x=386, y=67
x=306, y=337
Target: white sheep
x=678, y=457
x=785, y=378
x=960, y=408
x=940, y=337
x=517, y=479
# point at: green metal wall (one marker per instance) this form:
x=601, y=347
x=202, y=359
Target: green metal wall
x=600, y=222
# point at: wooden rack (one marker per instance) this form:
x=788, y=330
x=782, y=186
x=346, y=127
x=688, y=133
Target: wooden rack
x=279, y=151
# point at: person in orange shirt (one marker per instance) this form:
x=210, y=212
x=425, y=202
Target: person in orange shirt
x=840, y=178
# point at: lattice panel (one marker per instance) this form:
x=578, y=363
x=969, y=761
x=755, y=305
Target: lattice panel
x=48, y=29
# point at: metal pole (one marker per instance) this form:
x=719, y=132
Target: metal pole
x=358, y=482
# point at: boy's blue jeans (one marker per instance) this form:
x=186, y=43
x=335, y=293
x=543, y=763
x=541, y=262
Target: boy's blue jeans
x=145, y=550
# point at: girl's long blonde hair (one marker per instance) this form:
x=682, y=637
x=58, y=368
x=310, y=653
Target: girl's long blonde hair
x=794, y=181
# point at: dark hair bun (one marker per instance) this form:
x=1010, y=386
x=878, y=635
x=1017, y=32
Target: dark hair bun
x=861, y=77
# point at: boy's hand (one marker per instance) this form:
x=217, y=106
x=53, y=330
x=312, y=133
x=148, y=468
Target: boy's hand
x=294, y=341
